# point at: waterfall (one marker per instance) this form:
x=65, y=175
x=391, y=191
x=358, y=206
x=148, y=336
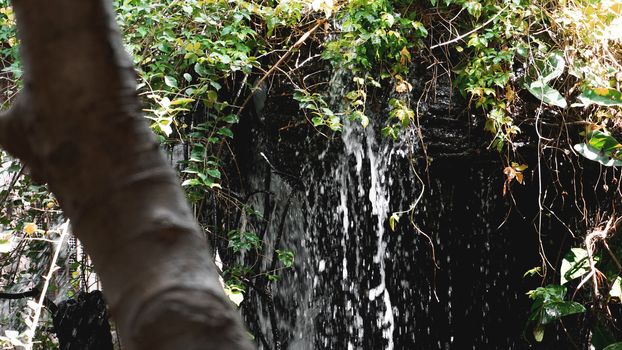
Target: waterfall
x=356, y=284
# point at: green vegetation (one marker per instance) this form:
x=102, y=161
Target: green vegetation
x=209, y=57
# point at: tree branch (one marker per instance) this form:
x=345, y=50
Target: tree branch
x=33, y=293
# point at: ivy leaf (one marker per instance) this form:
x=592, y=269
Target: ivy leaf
x=547, y=94
x=200, y=70
x=557, y=309
x=215, y=173
x=317, y=121
x=544, y=70
x=165, y=125
x=553, y=67
x=538, y=333
x=191, y=182
x=594, y=154
x=549, y=305
x=604, y=142
x=614, y=346
x=226, y=132
x=601, y=97
x=574, y=265
x=170, y=81
x=231, y=119
x=235, y=295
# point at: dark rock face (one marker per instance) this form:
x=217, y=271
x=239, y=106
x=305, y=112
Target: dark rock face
x=82, y=323
x=356, y=283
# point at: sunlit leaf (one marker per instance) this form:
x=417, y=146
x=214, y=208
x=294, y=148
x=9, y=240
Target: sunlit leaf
x=616, y=288
x=547, y=94
x=553, y=67
x=191, y=182
x=6, y=242
x=519, y=167
x=165, y=126
x=557, y=309
x=574, y=265
x=235, y=295
x=215, y=173
x=395, y=218
x=594, y=154
x=181, y=101
x=538, y=333
x=531, y=272
x=364, y=121
x=603, y=142
x=601, y=97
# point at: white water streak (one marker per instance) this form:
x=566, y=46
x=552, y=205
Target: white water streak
x=379, y=199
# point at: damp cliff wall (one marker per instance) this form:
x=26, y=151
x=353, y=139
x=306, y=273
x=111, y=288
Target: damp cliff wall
x=357, y=284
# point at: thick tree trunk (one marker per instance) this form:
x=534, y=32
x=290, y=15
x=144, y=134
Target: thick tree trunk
x=77, y=125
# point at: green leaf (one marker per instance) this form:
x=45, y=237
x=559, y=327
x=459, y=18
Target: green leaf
x=604, y=142
x=188, y=77
x=215, y=85
x=170, y=81
x=364, y=121
x=226, y=132
x=242, y=240
x=614, y=346
x=181, y=101
x=231, y=119
x=594, y=154
x=601, y=97
x=535, y=271
x=317, y=121
x=557, y=309
x=198, y=68
x=538, y=333
x=552, y=292
x=212, y=97
x=165, y=125
x=191, y=182
x=547, y=94
x=574, y=265
x=602, y=336
x=215, y=173
x=286, y=257
x=553, y=67
x=393, y=220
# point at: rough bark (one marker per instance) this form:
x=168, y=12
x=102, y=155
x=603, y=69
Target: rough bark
x=77, y=125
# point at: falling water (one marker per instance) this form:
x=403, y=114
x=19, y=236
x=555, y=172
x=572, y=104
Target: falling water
x=357, y=284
